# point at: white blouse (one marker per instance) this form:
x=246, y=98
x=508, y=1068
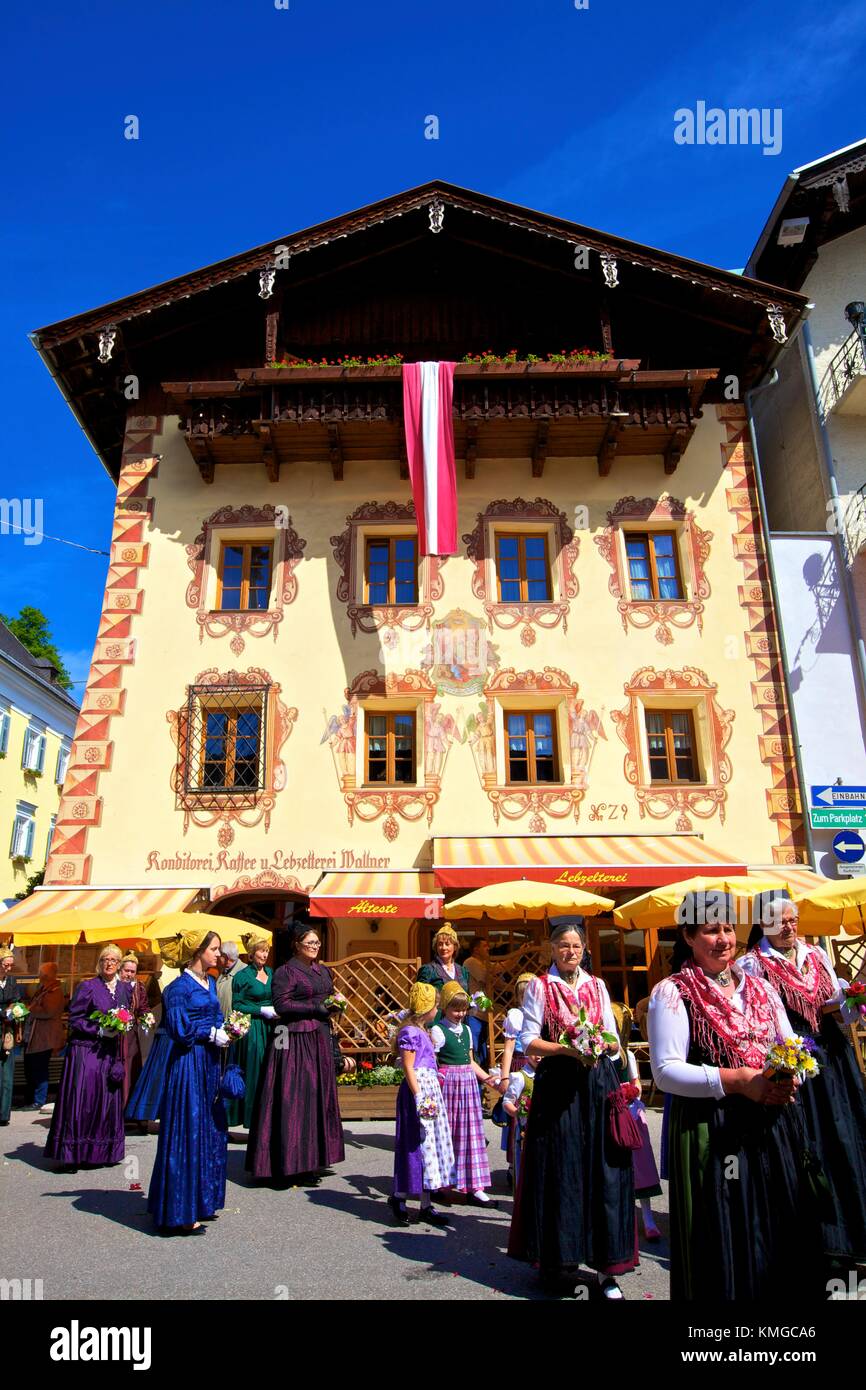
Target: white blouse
x=533, y=1005
x=669, y=1040
x=517, y=1082
x=437, y=1036
x=766, y=948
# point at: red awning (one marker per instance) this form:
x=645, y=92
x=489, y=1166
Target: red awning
x=595, y=862
x=390, y=895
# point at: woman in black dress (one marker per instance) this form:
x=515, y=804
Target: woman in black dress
x=296, y=1127
x=834, y=1102
x=574, y=1204
x=744, y=1204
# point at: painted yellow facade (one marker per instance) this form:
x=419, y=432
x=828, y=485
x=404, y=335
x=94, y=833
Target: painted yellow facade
x=125, y=824
x=25, y=794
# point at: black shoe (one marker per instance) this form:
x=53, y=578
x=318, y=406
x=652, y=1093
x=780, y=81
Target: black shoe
x=485, y=1206
x=3, y=1122
x=435, y=1218
x=399, y=1212
x=182, y=1231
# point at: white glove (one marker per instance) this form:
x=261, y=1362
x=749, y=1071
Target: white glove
x=221, y=1037
x=268, y=1011
x=103, y=1032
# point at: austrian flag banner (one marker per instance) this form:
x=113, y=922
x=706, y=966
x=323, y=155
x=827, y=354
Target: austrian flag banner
x=428, y=393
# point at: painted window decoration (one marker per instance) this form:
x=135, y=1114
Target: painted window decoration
x=530, y=746
x=524, y=555
x=671, y=745
x=676, y=736
x=522, y=568
x=229, y=734
x=33, y=751
x=243, y=563
x=657, y=576
x=390, y=762
x=383, y=582
x=5, y=724
x=23, y=831
x=245, y=576
x=391, y=571
x=653, y=566
x=227, y=742
x=390, y=748
x=62, y=764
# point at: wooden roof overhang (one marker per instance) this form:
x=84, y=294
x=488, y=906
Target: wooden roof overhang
x=329, y=415
x=435, y=272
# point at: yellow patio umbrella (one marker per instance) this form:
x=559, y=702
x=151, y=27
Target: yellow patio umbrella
x=164, y=927
x=524, y=898
x=837, y=907
x=65, y=928
x=658, y=907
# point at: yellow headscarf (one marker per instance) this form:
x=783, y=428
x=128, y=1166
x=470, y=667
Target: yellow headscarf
x=450, y=991
x=446, y=930
x=180, y=949
x=422, y=998
x=524, y=978
x=251, y=939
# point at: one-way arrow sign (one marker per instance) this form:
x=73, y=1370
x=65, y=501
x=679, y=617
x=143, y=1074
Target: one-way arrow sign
x=838, y=796
x=848, y=846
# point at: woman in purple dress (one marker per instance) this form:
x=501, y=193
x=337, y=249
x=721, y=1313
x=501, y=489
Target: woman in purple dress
x=87, y=1124
x=296, y=1120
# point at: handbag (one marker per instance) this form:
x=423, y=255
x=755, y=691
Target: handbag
x=232, y=1083
x=624, y=1130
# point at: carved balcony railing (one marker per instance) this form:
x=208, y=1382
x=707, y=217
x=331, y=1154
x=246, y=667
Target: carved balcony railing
x=855, y=524
x=846, y=369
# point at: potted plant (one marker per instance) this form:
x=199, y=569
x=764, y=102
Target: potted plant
x=370, y=1093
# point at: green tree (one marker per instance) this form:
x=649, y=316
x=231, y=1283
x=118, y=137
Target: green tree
x=34, y=881
x=32, y=630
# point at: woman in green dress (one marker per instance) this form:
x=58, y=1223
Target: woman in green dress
x=251, y=994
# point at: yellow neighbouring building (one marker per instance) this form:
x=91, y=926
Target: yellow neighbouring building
x=37, y=725
x=291, y=709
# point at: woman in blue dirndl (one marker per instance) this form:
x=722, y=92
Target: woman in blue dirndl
x=189, y=1176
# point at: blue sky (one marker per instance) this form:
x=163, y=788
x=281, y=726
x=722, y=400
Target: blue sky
x=256, y=121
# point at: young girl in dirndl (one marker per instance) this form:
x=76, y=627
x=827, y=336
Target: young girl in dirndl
x=423, y=1152
x=459, y=1074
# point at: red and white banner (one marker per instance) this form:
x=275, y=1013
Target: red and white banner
x=428, y=393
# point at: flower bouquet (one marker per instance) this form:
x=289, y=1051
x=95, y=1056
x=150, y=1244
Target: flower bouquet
x=524, y=1104
x=18, y=1012
x=237, y=1025
x=481, y=1002
x=146, y=1021
x=336, y=1001
x=586, y=1038
x=854, y=994
x=115, y=1021
x=428, y=1109
x=792, y=1057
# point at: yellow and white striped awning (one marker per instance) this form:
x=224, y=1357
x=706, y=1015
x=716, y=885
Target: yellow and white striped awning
x=598, y=863
x=44, y=918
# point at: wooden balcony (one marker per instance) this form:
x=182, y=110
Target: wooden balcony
x=336, y=416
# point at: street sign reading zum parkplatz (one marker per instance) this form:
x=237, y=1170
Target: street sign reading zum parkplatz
x=838, y=818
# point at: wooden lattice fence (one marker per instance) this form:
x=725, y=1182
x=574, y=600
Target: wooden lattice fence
x=530, y=957
x=852, y=956
x=376, y=987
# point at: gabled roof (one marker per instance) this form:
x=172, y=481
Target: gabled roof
x=353, y=241
x=16, y=652
x=831, y=193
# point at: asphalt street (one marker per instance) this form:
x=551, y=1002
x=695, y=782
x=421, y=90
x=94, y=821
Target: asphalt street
x=87, y=1235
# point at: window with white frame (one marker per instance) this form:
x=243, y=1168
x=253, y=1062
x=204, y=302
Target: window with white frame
x=51, y=825
x=23, y=831
x=62, y=764
x=33, y=753
x=5, y=723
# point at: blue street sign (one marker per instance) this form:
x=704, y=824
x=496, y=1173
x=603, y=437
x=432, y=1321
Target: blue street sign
x=849, y=847
x=838, y=796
